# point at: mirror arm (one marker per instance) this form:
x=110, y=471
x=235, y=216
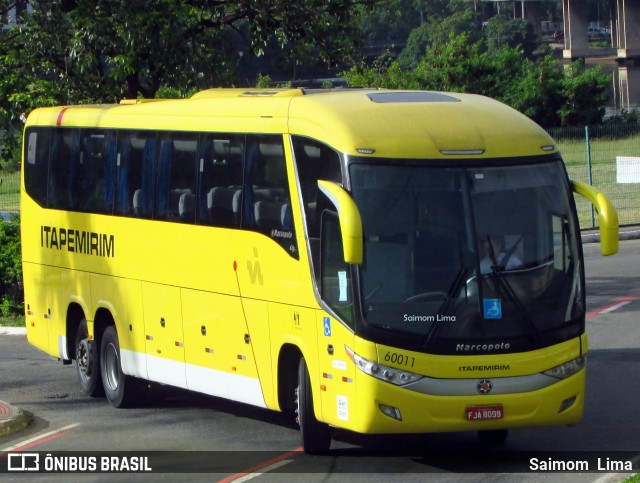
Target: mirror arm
x=607, y=216
x=350, y=221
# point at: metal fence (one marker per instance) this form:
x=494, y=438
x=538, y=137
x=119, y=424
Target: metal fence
x=9, y=192
x=607, y=156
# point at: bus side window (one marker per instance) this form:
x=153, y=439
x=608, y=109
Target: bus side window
x=63, y=169
x=314, y=161
x=336, y=285
x=266, y=204
x=94, y=189
x=36, y=164
x=134, y=176
x=220, y=181
x=176, y=178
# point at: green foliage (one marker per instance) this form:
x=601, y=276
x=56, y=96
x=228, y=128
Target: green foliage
x=417, y=43
x=585, y=95
x=502, y=31
x=437, y=31
x=104, y=50
x=264, y=81
x=168, y=92
x=625, y=117
x=11, y=292
x=540, y=89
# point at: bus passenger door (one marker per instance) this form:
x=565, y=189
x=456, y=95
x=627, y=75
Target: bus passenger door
x=163, y=334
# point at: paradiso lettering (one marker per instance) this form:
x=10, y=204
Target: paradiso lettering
x=77, y=241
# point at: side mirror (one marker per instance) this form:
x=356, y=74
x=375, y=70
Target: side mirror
x=607, y=216
x=350, y=221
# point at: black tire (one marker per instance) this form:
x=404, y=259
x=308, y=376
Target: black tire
x=314, y=435
x=88, y=362
x=121, y=390
x=494, y=437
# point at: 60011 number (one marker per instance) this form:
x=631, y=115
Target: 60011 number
x=400, y=359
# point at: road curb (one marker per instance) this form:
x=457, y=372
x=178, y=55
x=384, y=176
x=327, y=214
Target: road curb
x=594, y=237
x=12, y=419
x=13, y=330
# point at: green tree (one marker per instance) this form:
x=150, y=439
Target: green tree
x=585, y=95
x=502, y=31
x=103, y=50
x=540, y=89
x=437, y=32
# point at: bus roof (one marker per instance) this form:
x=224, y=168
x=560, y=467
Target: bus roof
x=381, y=123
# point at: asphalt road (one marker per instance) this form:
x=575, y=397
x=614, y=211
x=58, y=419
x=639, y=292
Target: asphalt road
x=211, y=439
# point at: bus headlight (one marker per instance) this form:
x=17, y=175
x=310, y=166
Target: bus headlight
x=393, y=375
x=567, y=369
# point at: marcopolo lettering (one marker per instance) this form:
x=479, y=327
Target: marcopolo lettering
x=281, y=234
x=482, y=347
x=77, y=241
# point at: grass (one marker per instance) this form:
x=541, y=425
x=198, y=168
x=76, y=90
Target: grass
x=624, y=196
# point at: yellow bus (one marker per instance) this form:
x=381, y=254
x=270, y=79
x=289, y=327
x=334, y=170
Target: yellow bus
x=376, y=261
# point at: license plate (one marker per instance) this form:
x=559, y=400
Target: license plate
x=482, y=413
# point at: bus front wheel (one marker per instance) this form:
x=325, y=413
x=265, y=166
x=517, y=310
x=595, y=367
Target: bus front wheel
x=121, y=390
x=88, y=362
x=315, y=435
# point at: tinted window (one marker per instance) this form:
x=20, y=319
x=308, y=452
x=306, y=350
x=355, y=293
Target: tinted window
x=36, y=164
x=96, y=170
x=134, y=174
x=220, y=182
x=65, y=171
x=266, y=204
x=315, y=161
x=176, y=178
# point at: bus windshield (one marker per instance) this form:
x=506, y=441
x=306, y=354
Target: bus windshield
x=468, y=259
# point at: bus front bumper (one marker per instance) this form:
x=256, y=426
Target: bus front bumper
x=395, y=409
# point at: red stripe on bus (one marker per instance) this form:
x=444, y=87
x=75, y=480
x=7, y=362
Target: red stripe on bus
x=59, y=121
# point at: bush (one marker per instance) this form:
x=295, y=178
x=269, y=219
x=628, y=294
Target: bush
x=539, y=89
x=11, y=289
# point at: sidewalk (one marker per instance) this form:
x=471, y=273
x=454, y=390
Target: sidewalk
x=626, y=233
x=12, y=419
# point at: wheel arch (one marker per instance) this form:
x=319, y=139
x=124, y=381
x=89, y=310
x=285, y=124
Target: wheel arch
x=102, y=320
x=288, y=360
x=75, y=314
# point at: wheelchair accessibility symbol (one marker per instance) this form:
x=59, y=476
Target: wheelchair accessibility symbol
x=492, y=308
x=327, y=327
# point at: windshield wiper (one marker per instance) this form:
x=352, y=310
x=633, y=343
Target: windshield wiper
x=452, y=293
x=501, y=282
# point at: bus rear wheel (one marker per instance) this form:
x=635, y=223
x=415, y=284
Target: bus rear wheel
x=121, y=390
x=88, y=362
x=315, y=436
